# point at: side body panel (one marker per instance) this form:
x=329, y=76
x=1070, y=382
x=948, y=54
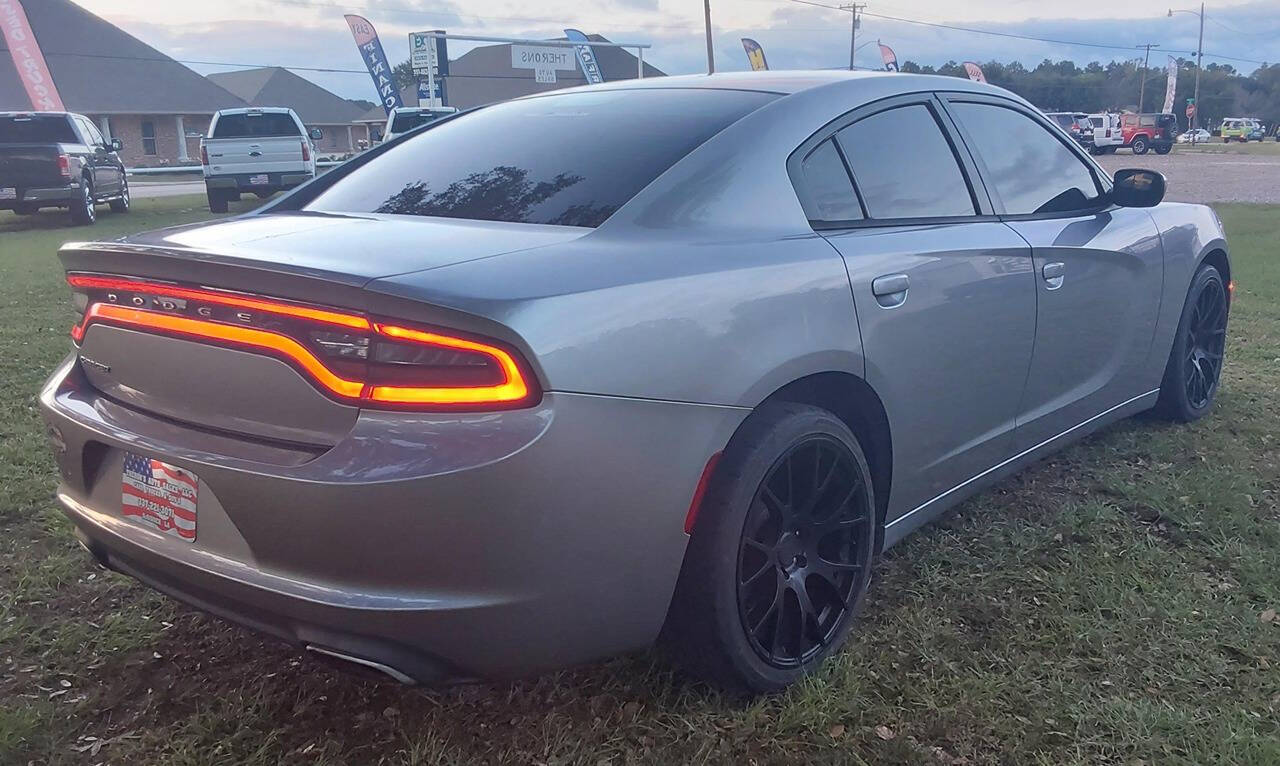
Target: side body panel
x=1095, y=321
x=949, y=362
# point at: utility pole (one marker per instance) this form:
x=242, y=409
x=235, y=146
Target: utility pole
x=853, y=29
x=1195, y=116
x=1142, y=86
x=711, y=55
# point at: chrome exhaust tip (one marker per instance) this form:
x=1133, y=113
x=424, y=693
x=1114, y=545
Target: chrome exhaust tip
x=364, y=664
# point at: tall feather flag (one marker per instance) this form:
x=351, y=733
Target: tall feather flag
x=889, y=58
x=974, y=71
x=1170, y=86
x=755, y=54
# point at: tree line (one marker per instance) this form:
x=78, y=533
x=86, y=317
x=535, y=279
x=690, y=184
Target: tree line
x=1062, y=86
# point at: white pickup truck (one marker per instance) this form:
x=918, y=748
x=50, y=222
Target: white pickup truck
x=260, y=150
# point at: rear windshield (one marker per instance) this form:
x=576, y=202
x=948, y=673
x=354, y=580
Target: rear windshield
x=404, y=122
x=36, y=129
x=569, y=159
x=262, y=125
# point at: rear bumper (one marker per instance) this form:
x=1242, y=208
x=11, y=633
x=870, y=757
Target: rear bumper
x=241, y=181
x=443, y=546
x=58, y=195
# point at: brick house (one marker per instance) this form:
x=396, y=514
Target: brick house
x=157, y=107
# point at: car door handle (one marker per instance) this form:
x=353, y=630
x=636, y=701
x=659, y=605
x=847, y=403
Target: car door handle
x=1054, y=274
x=891, y=290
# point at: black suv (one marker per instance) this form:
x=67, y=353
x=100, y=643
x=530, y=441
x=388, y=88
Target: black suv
x=59, y=159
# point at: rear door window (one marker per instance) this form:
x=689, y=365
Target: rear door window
x=255, y=125
x=570, y=159
x=904, y=166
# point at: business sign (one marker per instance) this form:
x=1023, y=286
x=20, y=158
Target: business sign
x=1170, y=86
x=27, y=58
x=375, y=59
x=586, y=57
x=887, y=56
x=428, y=53
x=755, y=55
x=544, y=60
x=974, y=71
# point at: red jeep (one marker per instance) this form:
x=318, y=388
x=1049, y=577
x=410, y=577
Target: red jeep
x=1141, y=132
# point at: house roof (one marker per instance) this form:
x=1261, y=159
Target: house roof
x=99, y=68
x=484, y=75
x=276, y=86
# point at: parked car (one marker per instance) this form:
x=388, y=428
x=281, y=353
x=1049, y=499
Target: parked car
x=1242, y=129
x=1201, y=136
x=59, y=159
x=1107, y=133
x=403, y=119
x=1142, y=132
x=667, y=358
x=1077, y=124
x=259, y=150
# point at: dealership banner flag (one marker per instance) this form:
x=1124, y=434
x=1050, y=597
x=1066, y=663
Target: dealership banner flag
x=755, y=54
x=375, y=59
x=586, y=57
x=974, y=71
x=28, y=59
x=1170, y=86
x=889, y=58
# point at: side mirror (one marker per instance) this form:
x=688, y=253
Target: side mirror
x=316, y=134
x=1137, y=187
x=116, y=144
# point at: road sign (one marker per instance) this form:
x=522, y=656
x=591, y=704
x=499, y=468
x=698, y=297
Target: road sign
x=544, y=60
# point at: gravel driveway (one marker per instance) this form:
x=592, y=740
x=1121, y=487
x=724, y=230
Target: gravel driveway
x=1208, y=177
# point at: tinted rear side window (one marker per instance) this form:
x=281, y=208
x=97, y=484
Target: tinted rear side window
x=37, y=129
x=407, y=121
x=263, y=125
x=827, y=184
x=904, y=166
x=568, y=159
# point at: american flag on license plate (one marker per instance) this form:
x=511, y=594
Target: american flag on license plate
x=160, y=495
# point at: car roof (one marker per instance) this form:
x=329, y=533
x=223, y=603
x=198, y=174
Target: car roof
x=786, y=82
x=257, y=109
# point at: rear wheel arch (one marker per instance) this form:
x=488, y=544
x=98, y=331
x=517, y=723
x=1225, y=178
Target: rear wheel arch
x=856, y=403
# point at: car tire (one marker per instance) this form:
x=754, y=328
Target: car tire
x=1140, y=145
x=752, y=633
x=1194, y=369
x=1163, y=148
x=82, y=210
x=121, y=204
x=217, y=201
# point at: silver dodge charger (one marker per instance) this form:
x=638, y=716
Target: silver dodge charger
x=668, y=360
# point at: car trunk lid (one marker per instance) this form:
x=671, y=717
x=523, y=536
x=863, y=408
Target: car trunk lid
x=310, y=260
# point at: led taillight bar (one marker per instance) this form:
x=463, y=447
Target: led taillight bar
x=514, y=389
x=221, y=298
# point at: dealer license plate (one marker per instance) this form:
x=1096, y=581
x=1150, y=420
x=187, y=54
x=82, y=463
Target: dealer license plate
x=8, y=192
x=159, y=495
x=261, y=179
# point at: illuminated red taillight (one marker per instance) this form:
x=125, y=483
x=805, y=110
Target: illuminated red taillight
x=306, y=152
x=64, y=166
x=350, y=357
x=204, y=156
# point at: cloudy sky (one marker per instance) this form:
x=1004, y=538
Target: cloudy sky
x=311, y=33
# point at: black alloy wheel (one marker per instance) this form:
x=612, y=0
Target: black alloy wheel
x=804, y=547
x=780, y=556
x=1205, y=343
x=1194, y=370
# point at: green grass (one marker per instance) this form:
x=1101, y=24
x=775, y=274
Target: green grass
x=1101, y=607
x=1270, y=147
